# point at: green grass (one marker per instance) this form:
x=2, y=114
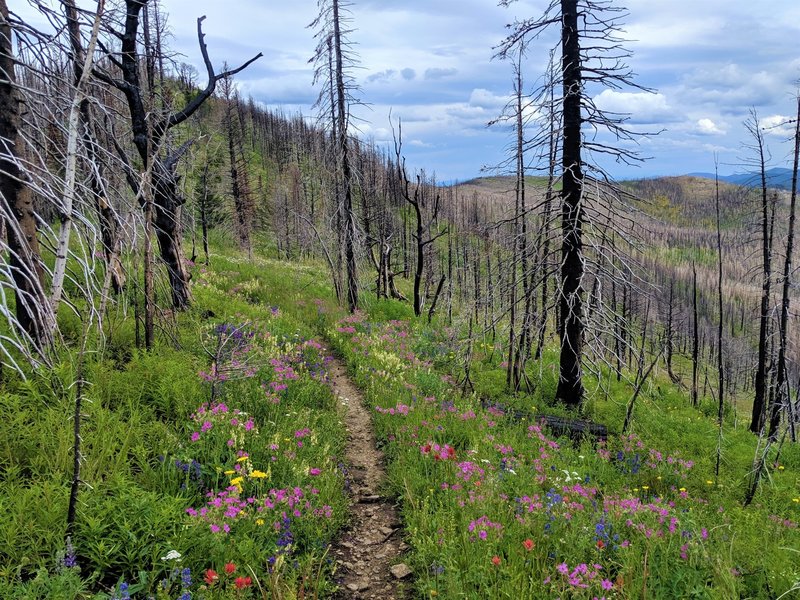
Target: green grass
x=493, y=505
x=142, y=470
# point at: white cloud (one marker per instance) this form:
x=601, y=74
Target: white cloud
x=642, y=107
x=777, y=125
x=485, y=99
x=708, y=127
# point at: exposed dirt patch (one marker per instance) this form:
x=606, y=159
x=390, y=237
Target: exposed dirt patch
x=368, y=553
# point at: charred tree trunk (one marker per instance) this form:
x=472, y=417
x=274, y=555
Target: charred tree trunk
x=695, y=336
x=33, y=314
x=669, y=344
x=781, y=384
x=240, y=188
x=759, y=400
x=571, y=325
x=720, y=370
x=148, y=138
x=204, y=210
x=347, y=174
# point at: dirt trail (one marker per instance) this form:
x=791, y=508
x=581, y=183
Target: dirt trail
x=368, y=553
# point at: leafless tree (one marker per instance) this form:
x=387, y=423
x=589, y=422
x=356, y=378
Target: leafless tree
x=240, y=184
x=782, y=399
x=149, y=137
x=334, y=62
x=34, y=318
x=588, y=197
x=758, y=146
x=422, y=229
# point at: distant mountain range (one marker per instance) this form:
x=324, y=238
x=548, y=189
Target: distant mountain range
x=778, y=177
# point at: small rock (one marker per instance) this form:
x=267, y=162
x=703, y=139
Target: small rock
x=369, y=499
x=400, y=571
x=386, y=530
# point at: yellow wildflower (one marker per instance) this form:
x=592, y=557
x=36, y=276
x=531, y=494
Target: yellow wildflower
x=259, y=522
x=258, y=474
x=242, y=458
x=230, y=472
x=237, y=480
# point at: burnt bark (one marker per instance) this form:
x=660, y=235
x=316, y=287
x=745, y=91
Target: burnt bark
x=32, y=307
x=571, y=325
x=347, y=172
x=781, y=383
x=760, y=391
x=163, y=178
x=695, y=336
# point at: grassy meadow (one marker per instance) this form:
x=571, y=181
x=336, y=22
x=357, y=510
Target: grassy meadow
x=212, y=466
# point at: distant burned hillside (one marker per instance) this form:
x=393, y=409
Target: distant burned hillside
x=676, y=226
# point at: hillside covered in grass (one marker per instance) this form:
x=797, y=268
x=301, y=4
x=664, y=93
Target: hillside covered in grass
x=222, y=448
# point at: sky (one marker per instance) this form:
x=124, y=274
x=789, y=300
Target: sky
x=430, y=63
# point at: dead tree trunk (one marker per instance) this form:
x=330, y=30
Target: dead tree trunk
x=33, y=314
x=695, y=336
x=781, y=384
x=148, y=139
x=720, y=370
x=571, y=325
x=759, y=400
x=107, y=217
x=240, y=188
x=415, y=201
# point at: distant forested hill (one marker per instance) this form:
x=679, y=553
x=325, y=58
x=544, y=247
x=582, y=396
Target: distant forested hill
x=778, y=177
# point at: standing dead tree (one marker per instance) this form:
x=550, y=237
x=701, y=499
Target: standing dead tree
x=757, y=145
x=240, y=185
x=149, y=137
x=782, y=399
x=78, y=110
x=589, y=200
x=422, y=227
x=34, y=318
x=518, y=338
x=334, y=63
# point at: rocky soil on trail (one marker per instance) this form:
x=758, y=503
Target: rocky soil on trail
x=369, y=552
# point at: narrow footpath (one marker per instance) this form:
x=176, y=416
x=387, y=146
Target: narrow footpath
x=369, y=552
